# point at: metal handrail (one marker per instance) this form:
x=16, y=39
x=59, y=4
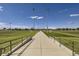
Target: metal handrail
x=10, y=40
x=2, y=50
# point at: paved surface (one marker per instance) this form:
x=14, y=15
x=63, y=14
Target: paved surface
x=41, y=45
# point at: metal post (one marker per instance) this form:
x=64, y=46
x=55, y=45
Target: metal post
x=10, y=45
x=10, y=25
x=22, y=40
x=0, y=51
x=54, y=39
x=34, y=24
x=47, y=29
x=73, y=54
x=34, y=19
x=47, y=10
x=4, y=49
x=60, y=43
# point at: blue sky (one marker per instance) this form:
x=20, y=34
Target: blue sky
x=22, y=15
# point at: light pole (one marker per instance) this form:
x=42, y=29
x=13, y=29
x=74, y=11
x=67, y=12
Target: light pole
x=10, y=25
x=47, y=11
x=34, y=19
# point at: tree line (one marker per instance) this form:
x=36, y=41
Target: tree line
x=67, y=29
x=39, y=29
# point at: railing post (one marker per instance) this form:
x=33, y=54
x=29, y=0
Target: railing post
x=0, y=51
x=73, y=54
x=4, y=49
x=54, y=39
x=60, y=43
x=22, y=40
x=10, y=45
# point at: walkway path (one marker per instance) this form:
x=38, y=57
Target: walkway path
x=41, y=45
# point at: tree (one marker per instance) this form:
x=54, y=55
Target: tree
x=77, y=28
x=4, y=28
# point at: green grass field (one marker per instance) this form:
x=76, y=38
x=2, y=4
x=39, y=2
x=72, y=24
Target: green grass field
x=67, y=38
x=7, y=35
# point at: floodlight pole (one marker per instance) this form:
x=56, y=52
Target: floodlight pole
x=34, y=24
x=34, y=19
x=10, y=25
x=47, y=10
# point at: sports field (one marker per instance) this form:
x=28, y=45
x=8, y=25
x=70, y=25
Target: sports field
x=16, y=35
x=68, y=38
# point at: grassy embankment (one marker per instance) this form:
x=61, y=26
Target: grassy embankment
x=67, y=38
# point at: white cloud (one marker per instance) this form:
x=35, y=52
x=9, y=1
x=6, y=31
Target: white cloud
x=6, y=25
x=36, y=17
x=52, y=27
x=2, y=24
x=72, y=15
x=1, y=8
x=19, y=26
x=40, y=17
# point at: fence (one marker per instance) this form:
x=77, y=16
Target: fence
x=71, y=44
x=9, y=45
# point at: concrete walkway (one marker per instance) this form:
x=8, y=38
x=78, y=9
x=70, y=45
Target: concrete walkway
x=41, y=45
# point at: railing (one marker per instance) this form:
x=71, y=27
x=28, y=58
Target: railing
x=70, y=44
x=9, y=45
